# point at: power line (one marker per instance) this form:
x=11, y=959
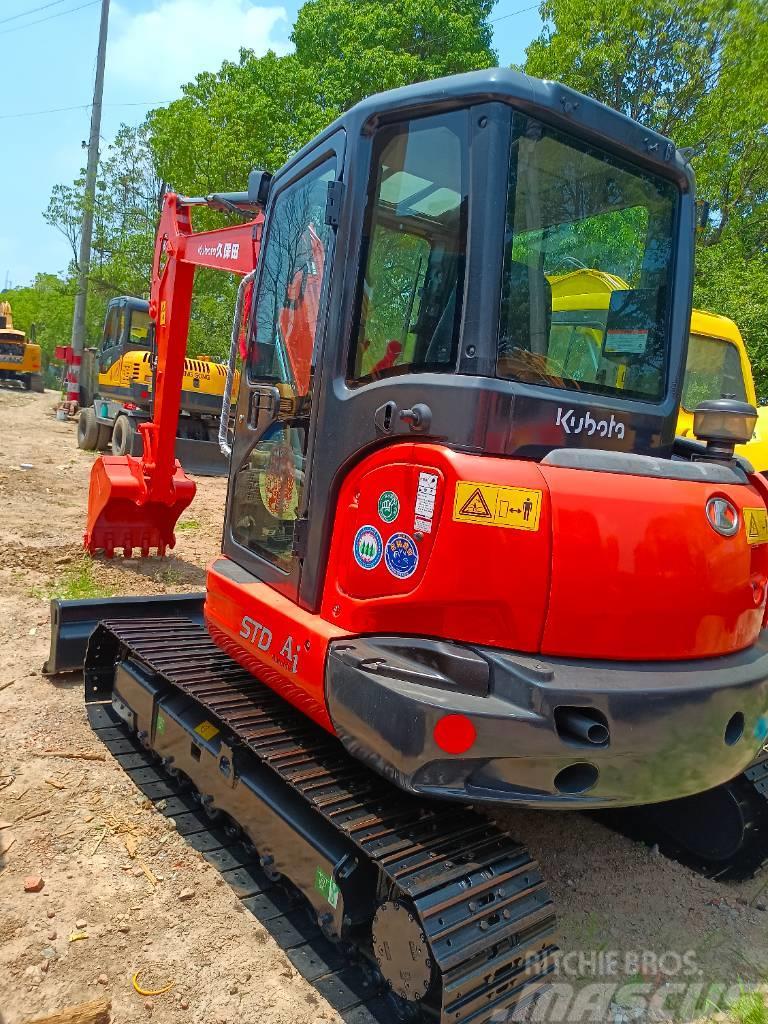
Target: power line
x=50, y=17
x=82, y=106
x=37, y=113
x=32, y=10
x=513, y=13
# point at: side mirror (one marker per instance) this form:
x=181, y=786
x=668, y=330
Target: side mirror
x=723, y=423
x=258, y=186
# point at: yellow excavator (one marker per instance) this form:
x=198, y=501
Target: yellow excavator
x=116, y=385
x=717, y=365
x=19, y=356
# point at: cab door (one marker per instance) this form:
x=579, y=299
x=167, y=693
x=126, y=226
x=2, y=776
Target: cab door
x=111, y=349
x=269, y=476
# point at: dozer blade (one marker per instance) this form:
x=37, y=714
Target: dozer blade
x=124, y=513
x=201, y=458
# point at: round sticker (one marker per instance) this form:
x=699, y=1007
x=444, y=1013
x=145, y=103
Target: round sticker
x=277, y=483
x=401, y=555
x=368, y=547
x=389, y=506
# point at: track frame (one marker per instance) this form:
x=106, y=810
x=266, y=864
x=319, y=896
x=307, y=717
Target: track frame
x=349, y=841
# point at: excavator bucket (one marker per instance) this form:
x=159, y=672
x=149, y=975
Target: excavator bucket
x=124, y=513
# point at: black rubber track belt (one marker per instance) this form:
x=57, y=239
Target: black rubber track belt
x=491, y=958
x=741, y=803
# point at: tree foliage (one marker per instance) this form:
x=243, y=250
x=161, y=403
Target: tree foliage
x=696, y=70
x=44, y=307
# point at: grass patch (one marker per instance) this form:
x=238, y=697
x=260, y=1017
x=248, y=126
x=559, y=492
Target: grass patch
x=77, y=582
x=187, y=524
x=170, y=577
x=749, y=1007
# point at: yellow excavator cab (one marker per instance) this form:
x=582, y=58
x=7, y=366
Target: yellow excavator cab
x=717, y=365
x=20, y=358
x=116, y=385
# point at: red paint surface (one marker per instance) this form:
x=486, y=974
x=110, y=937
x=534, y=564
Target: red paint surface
x=301, y=682
x=483, y=584
x=639, y=573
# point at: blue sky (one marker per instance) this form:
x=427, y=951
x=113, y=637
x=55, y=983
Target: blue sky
x=154, y=46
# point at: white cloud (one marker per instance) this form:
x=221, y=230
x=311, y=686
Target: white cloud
x=158, y=50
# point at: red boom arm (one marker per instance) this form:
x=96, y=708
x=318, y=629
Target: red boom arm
x=136, y=502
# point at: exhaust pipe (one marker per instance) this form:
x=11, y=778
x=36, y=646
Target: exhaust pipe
x=581, y=726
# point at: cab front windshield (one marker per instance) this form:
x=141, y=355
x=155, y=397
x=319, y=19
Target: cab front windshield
x=577, y=215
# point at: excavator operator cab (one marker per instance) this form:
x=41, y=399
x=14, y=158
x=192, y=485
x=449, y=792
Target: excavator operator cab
x=404, y=291
x=416, y=455
x=127, y=328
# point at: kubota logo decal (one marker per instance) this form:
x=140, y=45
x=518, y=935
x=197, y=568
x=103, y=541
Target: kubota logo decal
x=573, y=424
x=224, y=250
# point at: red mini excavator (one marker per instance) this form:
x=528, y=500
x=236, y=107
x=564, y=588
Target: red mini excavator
x=451, y=572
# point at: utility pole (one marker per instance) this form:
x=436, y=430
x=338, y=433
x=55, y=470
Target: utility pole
x=86, y=232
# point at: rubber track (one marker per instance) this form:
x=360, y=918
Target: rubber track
x=480, y=898
x=749, y=793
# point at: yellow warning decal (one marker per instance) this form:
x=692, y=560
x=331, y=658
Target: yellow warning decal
x=756, y=525
x=207, y=730
x=518, y=508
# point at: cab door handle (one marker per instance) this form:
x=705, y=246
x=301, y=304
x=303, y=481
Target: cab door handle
x=264, y=404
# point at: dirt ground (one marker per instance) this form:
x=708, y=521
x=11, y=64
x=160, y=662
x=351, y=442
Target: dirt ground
x=103, y=914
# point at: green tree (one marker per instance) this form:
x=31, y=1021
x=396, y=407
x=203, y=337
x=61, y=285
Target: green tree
x=259, y=111
x=359, y=47
x=125, y=216
x=44, y=308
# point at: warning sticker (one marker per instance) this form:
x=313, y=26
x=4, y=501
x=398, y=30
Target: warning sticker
x=518, y=508
x=756, y=525
x=206, y=730
x=425, y=496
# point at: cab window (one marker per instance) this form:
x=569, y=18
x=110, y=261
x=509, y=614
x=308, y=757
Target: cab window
x=414, y=247
x=575, y=210
x=139, y=329
x=285, y=318
x=111, y=329
x=712, y=370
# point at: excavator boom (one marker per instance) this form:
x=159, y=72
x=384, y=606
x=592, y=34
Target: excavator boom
x=136, y=502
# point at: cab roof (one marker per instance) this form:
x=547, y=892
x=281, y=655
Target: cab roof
x=556, y=104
